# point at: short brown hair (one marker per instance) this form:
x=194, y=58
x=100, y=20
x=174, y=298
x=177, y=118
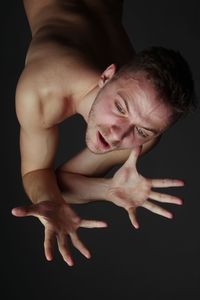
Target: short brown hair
x=169, y=73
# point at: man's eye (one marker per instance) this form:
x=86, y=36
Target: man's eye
x=141, y=132
x=120, y=108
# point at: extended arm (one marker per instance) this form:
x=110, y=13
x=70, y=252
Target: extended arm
x=38, y=144
x=127, y=188
x=81, y=179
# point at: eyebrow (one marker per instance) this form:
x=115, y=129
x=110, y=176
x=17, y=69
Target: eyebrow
x=127, y=107
x=151, y=129
x=125, y=102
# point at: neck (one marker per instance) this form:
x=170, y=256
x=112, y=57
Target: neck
x=84, y=103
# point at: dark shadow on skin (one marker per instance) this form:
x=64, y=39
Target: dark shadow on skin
x=80, y=19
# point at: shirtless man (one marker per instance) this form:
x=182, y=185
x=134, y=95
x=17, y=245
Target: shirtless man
x=72, y=67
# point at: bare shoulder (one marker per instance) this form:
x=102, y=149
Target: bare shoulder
x=40, y=97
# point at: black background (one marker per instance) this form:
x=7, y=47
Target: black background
x=159, y=261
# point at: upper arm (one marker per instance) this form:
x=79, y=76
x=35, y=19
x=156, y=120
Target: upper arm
x=91, y=164
x=38, y=142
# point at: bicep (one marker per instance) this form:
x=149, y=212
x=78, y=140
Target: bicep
x=38, y=142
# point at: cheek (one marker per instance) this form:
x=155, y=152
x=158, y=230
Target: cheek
x=106, y=106
x=104, y=113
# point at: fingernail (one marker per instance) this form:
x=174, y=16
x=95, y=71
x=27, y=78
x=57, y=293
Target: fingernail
x=70, y=263
x=49, y=258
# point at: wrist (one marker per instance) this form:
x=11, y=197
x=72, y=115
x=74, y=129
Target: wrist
x=41, y=186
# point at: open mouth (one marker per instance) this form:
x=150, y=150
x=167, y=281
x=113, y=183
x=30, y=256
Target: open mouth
x=103, y=141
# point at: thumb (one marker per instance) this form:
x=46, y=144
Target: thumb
x=23, y=211
x=132, y=159
x=132, y=217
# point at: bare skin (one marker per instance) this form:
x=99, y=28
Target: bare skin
x=75, y=50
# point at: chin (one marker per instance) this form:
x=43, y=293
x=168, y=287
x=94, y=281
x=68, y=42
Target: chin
x=95, y=149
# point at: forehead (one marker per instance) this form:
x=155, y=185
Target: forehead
x=143, y=100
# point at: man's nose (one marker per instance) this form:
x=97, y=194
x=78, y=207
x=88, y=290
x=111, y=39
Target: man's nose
x=120, y=134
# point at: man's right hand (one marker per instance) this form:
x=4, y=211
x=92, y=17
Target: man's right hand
x=59, y=221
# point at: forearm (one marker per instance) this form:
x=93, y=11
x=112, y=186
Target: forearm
x=76, y=188
x=77, y=178
x=41, y=185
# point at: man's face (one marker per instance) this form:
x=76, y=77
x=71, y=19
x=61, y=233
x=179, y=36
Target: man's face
x=126, y=113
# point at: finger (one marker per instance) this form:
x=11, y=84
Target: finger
x=132, y=217
x=157, y=209
x=167, y=182
x=92, y=224
x=64, y=249
x=79, y=245
x=23, y=211
x=165, y=198
x=49, y=241
x=132, y=159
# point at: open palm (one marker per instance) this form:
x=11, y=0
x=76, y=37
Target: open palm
x=129, y=190
x=61, y=223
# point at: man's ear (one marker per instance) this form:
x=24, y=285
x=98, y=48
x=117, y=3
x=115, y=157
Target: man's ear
x=107, y=75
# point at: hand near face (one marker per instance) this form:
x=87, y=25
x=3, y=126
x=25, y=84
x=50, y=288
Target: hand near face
x=129, y=190
x=60, y=221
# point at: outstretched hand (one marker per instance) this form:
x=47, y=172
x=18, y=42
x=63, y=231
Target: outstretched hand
x=59, y=221
x=129, y=190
